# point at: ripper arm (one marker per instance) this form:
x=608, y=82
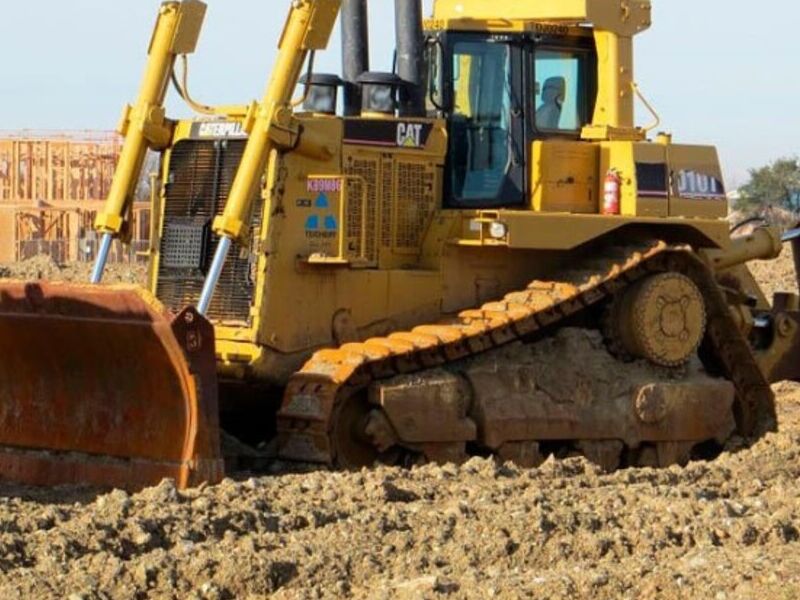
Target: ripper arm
x=773, y=330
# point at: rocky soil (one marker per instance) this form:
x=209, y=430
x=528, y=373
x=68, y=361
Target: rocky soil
x=44, y=267
x=776, y=275
x=728, y=529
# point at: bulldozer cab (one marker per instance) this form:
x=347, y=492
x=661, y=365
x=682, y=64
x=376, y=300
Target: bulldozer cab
x=501, y=92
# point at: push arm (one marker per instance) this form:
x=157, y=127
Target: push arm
x=308, y=28
x=144, y=124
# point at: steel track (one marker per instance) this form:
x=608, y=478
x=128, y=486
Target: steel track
x=306, y=420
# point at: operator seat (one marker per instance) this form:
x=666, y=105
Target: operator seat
x=548, y=115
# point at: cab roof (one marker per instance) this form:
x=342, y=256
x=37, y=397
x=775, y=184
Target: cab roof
x=623, y=17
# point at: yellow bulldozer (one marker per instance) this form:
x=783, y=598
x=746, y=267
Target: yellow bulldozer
x=327, y=274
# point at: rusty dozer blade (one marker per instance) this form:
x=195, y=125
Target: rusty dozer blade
x=102, y=386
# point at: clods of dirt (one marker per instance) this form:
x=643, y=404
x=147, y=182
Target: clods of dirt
x=711, y=530
x=722, y=530
x=45, y=268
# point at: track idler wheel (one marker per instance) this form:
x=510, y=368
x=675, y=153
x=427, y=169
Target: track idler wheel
x=661, y=319
x=362, y=435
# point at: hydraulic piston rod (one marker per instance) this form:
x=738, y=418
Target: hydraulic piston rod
x=102, y=257
x=764, y=243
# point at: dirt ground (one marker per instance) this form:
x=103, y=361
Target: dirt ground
x=724, y=530
x=44, y=267
x=777, y=275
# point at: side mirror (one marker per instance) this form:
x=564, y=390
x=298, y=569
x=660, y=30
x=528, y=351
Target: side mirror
x=436, y=83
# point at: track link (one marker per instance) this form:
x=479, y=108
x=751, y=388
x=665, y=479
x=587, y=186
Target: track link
x=314, y=394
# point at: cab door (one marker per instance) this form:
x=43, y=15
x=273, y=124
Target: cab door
x=485, y=163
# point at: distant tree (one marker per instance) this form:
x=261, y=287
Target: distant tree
x=774, y=186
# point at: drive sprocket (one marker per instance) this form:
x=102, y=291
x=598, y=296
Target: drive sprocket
x=661, y=319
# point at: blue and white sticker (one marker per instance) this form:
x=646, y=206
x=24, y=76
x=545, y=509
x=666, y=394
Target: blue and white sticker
x=322, y=219
x=323, y=223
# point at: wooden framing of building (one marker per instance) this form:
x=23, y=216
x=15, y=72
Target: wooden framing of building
x=51, y=186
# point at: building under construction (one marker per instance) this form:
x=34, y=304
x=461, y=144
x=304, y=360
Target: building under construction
x=51, y=186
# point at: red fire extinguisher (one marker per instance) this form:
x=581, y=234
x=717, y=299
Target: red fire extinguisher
x=612, y=187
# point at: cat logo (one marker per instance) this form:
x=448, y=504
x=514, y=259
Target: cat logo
x=409, y=135
x=218, y=130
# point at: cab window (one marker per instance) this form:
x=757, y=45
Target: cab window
x=560, y=96
x=480, y=127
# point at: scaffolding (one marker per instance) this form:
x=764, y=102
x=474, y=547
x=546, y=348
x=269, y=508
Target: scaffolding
x=52, y=185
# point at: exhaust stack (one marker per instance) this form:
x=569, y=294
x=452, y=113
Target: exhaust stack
x=355, y=52
x=410, y=57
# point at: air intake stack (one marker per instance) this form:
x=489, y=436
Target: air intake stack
x=410, y=57
x=355, y=52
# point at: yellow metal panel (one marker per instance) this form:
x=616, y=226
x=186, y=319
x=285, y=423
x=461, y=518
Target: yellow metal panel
x=698, y=189
x=619, y=156
x=623, y=157
x=614, y=107
x=507, y=26
x=564, y=177
x=475, y=275
x=621, y=16
x=563, y=10
x=317, y=17
x=548, y=231
x=190, y=24
x=323, y=19
x=651, y=207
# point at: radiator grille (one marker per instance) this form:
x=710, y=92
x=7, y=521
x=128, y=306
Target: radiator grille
x=415, y=204
x=400, y=203
x=387, y=201
x=200, y=178
x=352, y=232
x=366, y=169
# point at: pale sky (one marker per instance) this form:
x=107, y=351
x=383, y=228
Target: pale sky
x=716, y=72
